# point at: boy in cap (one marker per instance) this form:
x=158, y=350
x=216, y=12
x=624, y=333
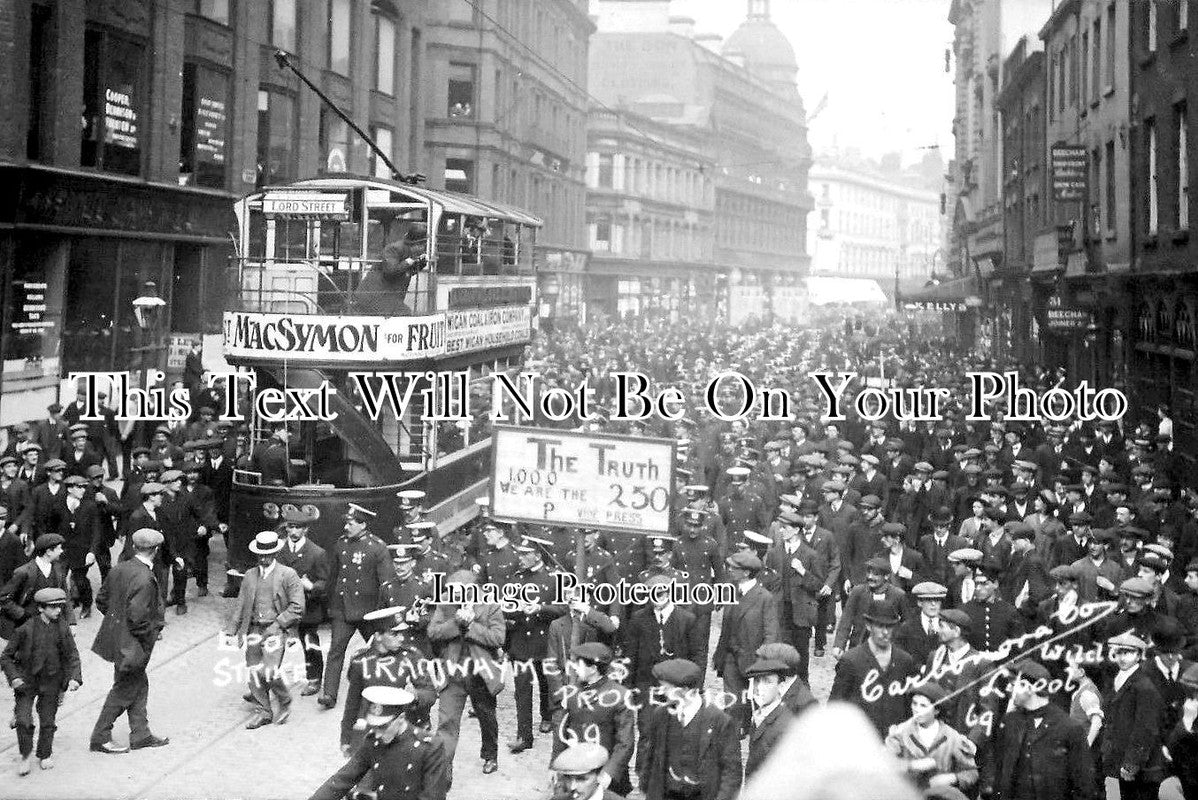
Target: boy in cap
x=752, y=622
x=43, y=571
x=397, y=761
x=41, y=662
x=771, y=717
x=598, y=710
x=1133, y=709
x=580, y=773
x=800, y=573
x=78, y=522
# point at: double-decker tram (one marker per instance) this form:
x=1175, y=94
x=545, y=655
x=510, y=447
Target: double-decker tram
x=364, y=286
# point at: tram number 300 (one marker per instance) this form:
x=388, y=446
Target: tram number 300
x=658, y=499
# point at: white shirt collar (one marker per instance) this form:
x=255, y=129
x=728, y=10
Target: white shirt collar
x=145, y=559
x=760, y=714
x=747, y=586
x=293, y=546
x=267, y=570
x=663, y=614
x=1123, y=675
x=689, y=707
x=44, y=566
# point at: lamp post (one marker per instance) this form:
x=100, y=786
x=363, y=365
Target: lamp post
x=147, y=308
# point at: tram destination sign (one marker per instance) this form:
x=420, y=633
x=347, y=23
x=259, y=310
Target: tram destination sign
x=575, y=479
x=319, y=205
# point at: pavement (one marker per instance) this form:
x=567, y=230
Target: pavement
x=195, y=700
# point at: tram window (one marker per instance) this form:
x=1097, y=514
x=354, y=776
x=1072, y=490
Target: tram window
x=449, y=240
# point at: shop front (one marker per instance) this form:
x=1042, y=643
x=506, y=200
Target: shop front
x=1162, y=352
x=76, y=250
x=561, y=282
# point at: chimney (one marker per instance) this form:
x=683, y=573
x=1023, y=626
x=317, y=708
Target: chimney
x=683, y=26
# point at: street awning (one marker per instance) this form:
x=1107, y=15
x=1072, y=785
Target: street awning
x=953, y=295
x=827, y=290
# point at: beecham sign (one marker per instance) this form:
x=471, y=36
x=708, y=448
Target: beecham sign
x=553, y=477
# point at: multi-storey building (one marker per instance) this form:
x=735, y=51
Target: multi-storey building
x=1160, y=293
x=650, y=201
x=505, y=118
x=743, y=95
x=871, y=224
x=129, y=129
x=1087, y=236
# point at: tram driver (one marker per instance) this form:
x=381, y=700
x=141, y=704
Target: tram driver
x=384, y=289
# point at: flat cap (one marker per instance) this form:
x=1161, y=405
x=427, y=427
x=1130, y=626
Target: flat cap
x=1129, y=640
x=1136, y=587
x=931, y=690
x=1032, y=671
x=744, y=560
x=581, y=759
x=679, y=672
x=146, y=538
x=95, y=471
x=295, y=516
x=790, y=518
x=780, y=651
x=151, y=488
x=870, y=501
x=893, y=529
x=170, y=476
x=809, y=507
x=790, y=499
x=75, y=480
x=47, y=541
x=955, y=616
x=1080, y=518
x=1063, y=572
x=1019, y=530
x=767, y=666
x=965, y=555
x=878, y=564
x=924, y=466
x=592, y=651
x=76, y=429
x=55, y=463
x=50, y=596
x=929, y=590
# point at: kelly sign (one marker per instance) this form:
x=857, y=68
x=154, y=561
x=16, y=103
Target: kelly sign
x=574, y=479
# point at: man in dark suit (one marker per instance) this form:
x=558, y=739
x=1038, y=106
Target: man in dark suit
x=51, y=432
x=201, y=517
x=108, y=512
x=934, y=547
x=906, y=564
x=918, y=634
x=1132, y=709
x=1042, y=752
x=801, y=573
x=796, y=693
x=311, y=563
x=1026, y=577
x=687, y=748
x=878, y=660
x=14, y=496
x=132, y=605
x=771, y=717
x=46, y=497
x=77, y=521
x=823, y=542
x=80, y=455
x=752, y=622
x=43, y=571
x=271, y=458
x=659, y=633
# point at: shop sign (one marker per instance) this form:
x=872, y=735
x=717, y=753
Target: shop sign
x=484, y=328
x=554, y=477
x=1069, y=168
x=177, y=348
x=343, y=339
x=934, y=306
x=120, y=117
x=211, y=124
x=30, y=307
x=1062, y=317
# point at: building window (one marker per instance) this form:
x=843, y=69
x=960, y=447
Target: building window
x=459, y=175
x=1072, y=63
x=1084, y=69
x=113, y=102
x=204, y=135
x=277, y=142
x=340, y=22
x=215, y=10
x=41, y=83
x=1110, y=46
x=1151, y=26
x=1062, y=60
x=1096, y=190
x=384, y=139
x=1111, y=210
x=461, y=90
x=1183, y=14
x=606, y=170
x=1183, y=169
x=1096, y=79
x=334, y=142
x=1153, y=177
x=384, y=48
x=601, y=240
x=283, y=24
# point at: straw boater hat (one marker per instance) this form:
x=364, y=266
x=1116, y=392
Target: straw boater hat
x=266, y=543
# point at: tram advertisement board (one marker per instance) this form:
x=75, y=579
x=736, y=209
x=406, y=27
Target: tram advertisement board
x=577, y=479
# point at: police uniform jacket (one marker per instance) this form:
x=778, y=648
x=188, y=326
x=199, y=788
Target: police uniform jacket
x=358, y=568
x=528, y=632
x=749, y=624
x=398, y=765
x=311, y=562
x=718, y=756
x=499, y=567
x=993, y=623
x=744, y=511
x=132, y=606
x=601, y=712
x=967, y=710
x=1054, y=757
x=414, y=595
x=648, y=643
x=631, y=552
x=849, y=684
x=764, y=737
x=369, y=667
x=699, y=557
x=19, y=659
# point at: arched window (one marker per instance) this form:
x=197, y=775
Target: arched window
x=1164, y=321
x=1183, y=326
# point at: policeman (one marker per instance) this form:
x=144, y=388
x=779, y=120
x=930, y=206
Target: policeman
x=389, y=659
x=597, y=710
x=398, y=760
x=500, y=563
x=741, y=508
x=528, y=640
x=429, y=560
x=361, y=564
x=661, y=563
x=411, y=591
x=601, y=568
x=699, y=556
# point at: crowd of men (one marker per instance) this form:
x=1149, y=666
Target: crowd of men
x=1013, y=606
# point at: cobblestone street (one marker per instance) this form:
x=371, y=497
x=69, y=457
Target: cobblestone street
x=195, y=700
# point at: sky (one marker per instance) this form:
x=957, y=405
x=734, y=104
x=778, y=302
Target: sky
x=881, y=63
